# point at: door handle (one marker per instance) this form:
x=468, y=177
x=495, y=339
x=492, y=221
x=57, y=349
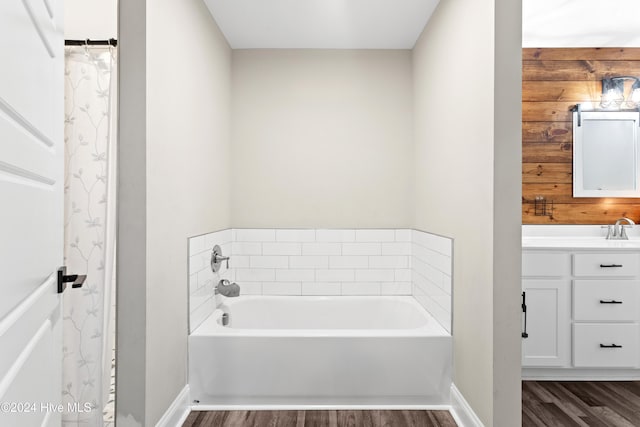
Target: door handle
x=524, y=310
x=76, y=280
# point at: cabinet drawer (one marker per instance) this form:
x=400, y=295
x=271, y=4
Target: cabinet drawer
x=593, y=345
x=605, y=264
x=615, y=300
x=541, y=264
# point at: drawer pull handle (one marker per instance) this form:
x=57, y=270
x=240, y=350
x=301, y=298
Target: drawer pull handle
x=610, y=265
x=610, y=346
x=610, y=302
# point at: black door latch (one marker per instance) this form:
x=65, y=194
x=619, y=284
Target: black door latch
x=76, y=280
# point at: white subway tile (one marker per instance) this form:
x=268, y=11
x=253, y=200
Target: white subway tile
x=317, y=261
x=200, y=296
x=395, y=288
x=295, y=275
x=226, y=235
x=426, y=270
x=389, y=261
x=396, y=248
x=402, y=275
x=417, y=290
x=295, y=235
x=435, y=243
x=261, y=261
x=226, y=248
x=204, y=276
x=370, y=275
x=361, y=249
x=205, y=259
x=239, y=261
x=443, y=301
x=361, y=288
x=421, y=253
x=255, y=275
x=375, y=235
x=277, y=288
x=403, y=235
x=334, y=235
x=321, y=249
x=321, y=288
x=433, y=258
x=255, y=235
x=193, y=283
x=281, y=249
x=251, y=288
x=426, y=287
x=217, y=238
x=196, y=245
x=348, y=262
x=195, y=263
x=200, y=313
x=244, y=248
x=446, y=284
x=442, y=263
x=335, y=275
x=225, y=274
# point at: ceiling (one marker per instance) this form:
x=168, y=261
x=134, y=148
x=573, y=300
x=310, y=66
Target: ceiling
x=322, y=24
x=581, y=23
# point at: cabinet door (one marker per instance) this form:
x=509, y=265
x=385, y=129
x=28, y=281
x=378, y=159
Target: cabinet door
x=547, y=323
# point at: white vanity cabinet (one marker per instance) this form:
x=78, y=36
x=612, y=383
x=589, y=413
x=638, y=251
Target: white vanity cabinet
x=547, y=295
x=582, y=312
x=548, y=323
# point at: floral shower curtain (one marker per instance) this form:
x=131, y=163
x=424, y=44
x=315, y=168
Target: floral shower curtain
x=89, y=230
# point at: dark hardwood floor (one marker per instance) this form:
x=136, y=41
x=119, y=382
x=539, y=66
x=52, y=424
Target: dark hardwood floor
x=580, y=403
x=320, y=419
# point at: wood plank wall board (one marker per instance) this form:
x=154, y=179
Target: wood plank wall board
x=553, y=81
x=581, y=53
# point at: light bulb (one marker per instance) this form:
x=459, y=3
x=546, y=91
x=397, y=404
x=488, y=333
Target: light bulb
x=612, y=98
x=635, y=96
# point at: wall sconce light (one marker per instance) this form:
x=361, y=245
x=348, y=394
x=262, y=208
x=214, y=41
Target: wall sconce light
x=613, y=93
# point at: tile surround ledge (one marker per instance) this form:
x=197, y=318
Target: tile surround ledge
x=325, y=262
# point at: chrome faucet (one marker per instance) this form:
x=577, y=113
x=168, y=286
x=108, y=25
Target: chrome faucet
x=622, y=234
x=217, y=258
x=227, y=289
x=618, y=230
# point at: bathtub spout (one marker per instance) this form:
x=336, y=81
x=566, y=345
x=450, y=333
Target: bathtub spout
x=226, y=288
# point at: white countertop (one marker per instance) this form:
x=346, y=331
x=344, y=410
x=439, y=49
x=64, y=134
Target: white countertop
x=578, y=242
x=576, y=236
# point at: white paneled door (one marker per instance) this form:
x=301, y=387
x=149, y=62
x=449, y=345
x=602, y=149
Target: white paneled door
x=31, y=211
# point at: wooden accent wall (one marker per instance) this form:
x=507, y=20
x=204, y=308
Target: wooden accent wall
x=553, y=81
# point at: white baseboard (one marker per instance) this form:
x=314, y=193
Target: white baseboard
x=178, y=411
x=461, y=411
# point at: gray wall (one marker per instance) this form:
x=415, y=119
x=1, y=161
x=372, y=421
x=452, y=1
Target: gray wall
x=131, y=272
x=322, y=138
x=507, y=222
x=174, y=144
x=467, y=182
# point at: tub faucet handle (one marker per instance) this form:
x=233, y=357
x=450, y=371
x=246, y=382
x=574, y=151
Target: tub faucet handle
x=217, y=258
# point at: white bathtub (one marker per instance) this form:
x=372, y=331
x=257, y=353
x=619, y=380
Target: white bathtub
x=339, y=351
